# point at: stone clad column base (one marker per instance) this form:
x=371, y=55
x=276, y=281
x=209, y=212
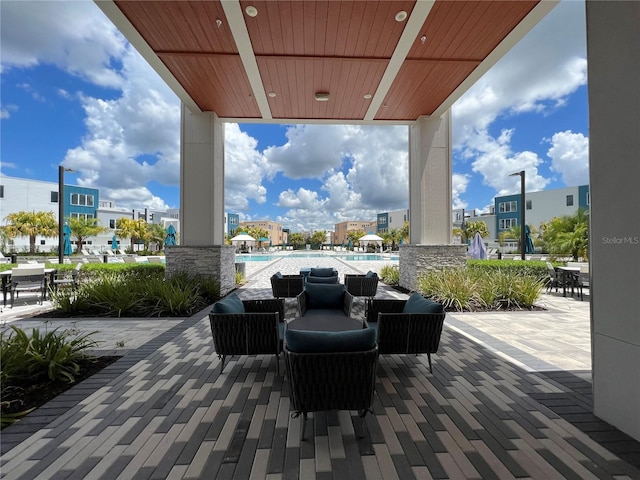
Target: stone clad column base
x=217, y=261
x=416, y=260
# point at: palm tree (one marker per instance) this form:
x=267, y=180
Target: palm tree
x=296, y=239
x=83, y=228
x=568, y=235
x=355, y=235
x=471, y=228
x=31, y=224
x=404, y=232
x=319, y=237
x=133, y=229
x=157, y=235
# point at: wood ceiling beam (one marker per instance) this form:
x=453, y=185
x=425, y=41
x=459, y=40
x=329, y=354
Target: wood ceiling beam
x=233, y=12
x=409, y=34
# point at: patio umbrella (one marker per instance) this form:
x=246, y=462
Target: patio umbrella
x=114, y=243
x=66, y=231
x=528, y=241
x=477, y=249
x=350, y=244
x=170, y=239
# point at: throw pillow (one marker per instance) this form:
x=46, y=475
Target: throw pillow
x=230, y=304
x=309, y=341
x=277, y=275
x=418, y=304
x=370, y=274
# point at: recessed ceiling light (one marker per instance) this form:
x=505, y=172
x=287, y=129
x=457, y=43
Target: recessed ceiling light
x=367, y=96
x=322, y=96
x=251, y=11
x=272, y=94
x=401, y=16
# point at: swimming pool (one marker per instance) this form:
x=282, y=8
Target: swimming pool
x=356, y=257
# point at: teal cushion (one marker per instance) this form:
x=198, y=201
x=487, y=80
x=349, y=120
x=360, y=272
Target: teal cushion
x=370, y=274
x=418, y=304
x=309, y=341
x=230, y=304
x=324, y=295
x=323, y=272
x=333, y=279
x=277, y=275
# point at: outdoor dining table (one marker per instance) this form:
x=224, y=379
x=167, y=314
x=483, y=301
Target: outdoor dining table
x=569, y=274
x=49, y=273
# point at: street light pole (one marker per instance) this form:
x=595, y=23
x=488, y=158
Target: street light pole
x=522, y=207
x=61, y=171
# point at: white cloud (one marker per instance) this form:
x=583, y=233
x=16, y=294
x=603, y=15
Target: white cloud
x=537, y=75
x=245, y=169
x=569, y=155
x=74, y=36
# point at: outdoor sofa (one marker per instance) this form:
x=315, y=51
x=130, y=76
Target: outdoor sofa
x=286, y=286
x=322, y=275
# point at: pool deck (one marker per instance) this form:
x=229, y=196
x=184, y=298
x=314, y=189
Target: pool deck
x=509, y=397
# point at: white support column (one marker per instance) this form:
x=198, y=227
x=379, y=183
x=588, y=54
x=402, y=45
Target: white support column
x=202, y=250
x=430, y=225
x=430, y=181
x=201, y=179
x=613, y=46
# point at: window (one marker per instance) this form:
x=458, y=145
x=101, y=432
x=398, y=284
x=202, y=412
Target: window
x=81, y=199
x=1, y=191
x=569, y=200
x=112, y=223
x=507, y=223
x=54, y=197
x=529, y=204
x=81, y=216
x=506, y=207
x=42, y=242
x=587, y=199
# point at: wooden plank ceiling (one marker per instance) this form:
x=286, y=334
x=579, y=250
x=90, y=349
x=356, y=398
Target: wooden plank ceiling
x=376, y=63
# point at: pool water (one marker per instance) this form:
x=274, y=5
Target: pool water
x=362, y=257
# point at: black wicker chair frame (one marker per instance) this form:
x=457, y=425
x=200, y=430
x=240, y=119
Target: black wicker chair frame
x=361, y=285
x=405, y=333
x=331, y=381
x=289, y=286
x=254, y=332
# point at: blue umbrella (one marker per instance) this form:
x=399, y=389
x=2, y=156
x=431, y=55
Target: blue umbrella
x=114, y=243
x=171, y=236
x=350, y=244
x=66, y=230
x=528, y=241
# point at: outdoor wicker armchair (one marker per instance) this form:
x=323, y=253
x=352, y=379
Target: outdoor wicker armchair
x=406, y=333
x=256, y=330
x=323, y=381
x=286, y=286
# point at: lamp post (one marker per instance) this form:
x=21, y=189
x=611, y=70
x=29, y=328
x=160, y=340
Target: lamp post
x=61, y=171
x=522, y=207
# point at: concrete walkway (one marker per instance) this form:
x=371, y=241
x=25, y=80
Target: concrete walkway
x=509, y=397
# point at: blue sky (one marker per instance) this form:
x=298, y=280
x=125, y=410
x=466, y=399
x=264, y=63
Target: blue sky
x=74, y=92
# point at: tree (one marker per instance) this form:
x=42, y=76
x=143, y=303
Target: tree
x=296, y=239
x=319, y=237
x=133, y=229
x=83, y=228
x=355, y=235
x=567, y=235
x=157, y=235
x=404, y=232
x=471, y=228
x=32, y=224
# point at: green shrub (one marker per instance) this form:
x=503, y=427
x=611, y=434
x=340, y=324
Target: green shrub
x=390, y=274
x=535, y=268
x=138, y=293
x=52, y=356
x=468, y=289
